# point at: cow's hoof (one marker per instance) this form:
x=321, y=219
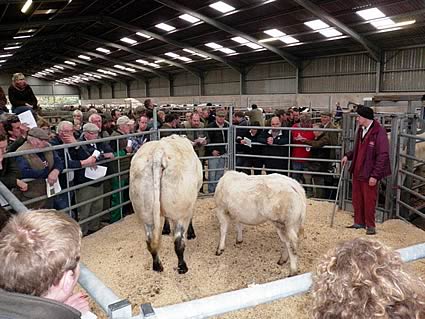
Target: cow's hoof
x=282, y=261
x=238, y=242
x=219, y=252
x=191, y=236
x=293, y=273
x=166, y=230
x=182, y=269
x=158, y=267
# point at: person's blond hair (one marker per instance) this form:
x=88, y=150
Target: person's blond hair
x=363, y=278
x=36, y=249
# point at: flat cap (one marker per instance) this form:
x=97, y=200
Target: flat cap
x=221, y=113
x=123, y=120
x=39, y=133
x=90, y=127
x=326, y=113
x=365, y=112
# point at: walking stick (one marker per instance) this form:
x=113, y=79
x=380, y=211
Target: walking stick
x=337, y=195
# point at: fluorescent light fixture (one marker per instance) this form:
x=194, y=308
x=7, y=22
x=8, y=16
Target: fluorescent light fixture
x=171, y=54
x=154, y=65
x=372, y=13
x=103, y=50
x=23, y=36
x=316, y=24
x=142, y=61
x=26, y=31
x=131, y=70
x=5, y=55
x=160, y=61
x=275, y=33
x=119, y=67
x=12, y=48
x=213, y=45
x=267, y=40
x=222, y=7
x=227, y=50
x=185, y=59
x=165, y=27
x=254, y=46
x=84, y=57
x=70, y=63
x=240, y=40
x=2, y=61
x=330, y=32
x=26, y=6
x=189, y=18
x=58, y=67
x=128, y=40
x=390, y=29
x=141, y=34
x=50, y=11
x=403, y=23
x=288, y=39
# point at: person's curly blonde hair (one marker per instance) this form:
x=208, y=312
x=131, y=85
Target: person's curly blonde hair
x=363, y=278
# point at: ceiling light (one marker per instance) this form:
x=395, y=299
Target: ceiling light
x=70, y=63
x=213, y=45
x=58, y=67
x=268, y=40
x=330, y=32
x=154, y=65
x=49, y=70
x=12, y=48
x=222, y=7
x=227, y=50
x=288, y=39
x=390, y=29
x=84, y=57
x=128, y=40
x=254, y=46
x=275, y=33
x=88, y=74
x=316, y=24
x=189, y=51
x=372, y=13
x=382, y=23
x=403, y=23
x=23, y=36
x=165, y=27
x=160, y=61
x=5, y=55
x=97, y=76
x=240, y=40
x=131, y=70
x=2, y=61
x=141, y=34
x=85, y=79
x=189, y=18
x=26, y=6
x=103, y=50
x=26, y=30
x=119, y=66
x=142, y=61
x=171, y=54
x=185, y=59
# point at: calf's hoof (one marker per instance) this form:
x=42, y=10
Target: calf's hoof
x=191, y=235
x=293, y=273
x=282, y=261
x=182, y=269
x=238, y=242
x=219, y=252
x=166, y=229
x=158, y=267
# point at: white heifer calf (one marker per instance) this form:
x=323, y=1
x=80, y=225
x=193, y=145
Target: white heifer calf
x=165, y=177
x=254, y=200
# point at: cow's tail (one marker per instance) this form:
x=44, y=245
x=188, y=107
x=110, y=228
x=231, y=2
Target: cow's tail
x=156, y=211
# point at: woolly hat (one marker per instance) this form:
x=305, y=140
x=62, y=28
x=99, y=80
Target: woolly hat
x=365, y=112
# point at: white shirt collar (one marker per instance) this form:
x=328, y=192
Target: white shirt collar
x=366, y=129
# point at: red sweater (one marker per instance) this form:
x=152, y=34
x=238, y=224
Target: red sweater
x=303, y=152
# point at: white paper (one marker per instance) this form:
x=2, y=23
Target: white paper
x=28, y=119
x=53, y=189
x=95, y=173
x=3, y=201
x=88, y=315
x=129, y=143
x=96, y=153
x=248, y=142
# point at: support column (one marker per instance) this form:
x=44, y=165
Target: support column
x=202, y=84
x=113, y=90
x=378, y=77
x=171, y=85
x=127, y=89
x=147, y=93
x=89, y=92
x=99, y=87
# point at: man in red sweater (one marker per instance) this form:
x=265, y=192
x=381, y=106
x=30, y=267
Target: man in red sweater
x=370, y=163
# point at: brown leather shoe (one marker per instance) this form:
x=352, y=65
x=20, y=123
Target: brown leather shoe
x=371, y=231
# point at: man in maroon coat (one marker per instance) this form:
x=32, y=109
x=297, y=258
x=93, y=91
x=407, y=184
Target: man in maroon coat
x=370, y=163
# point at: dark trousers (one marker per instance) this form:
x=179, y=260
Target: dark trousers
x=364, y=202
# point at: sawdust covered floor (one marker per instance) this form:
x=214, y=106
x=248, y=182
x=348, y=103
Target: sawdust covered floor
x=117, y=254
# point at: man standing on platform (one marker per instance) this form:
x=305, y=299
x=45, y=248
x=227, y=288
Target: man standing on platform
x=370, y=163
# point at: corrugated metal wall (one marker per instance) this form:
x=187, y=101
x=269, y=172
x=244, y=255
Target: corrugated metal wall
x=106, y=92
x=348, y=73
x=272, y=78
x=404, y=70
x=120, y=90
x=185, y=84
x=159, y=87
x=84, y=93
x=94, y=92
x=222, y=82
x=137, y=89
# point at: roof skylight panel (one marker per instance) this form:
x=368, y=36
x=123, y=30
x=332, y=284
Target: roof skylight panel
x=103, y=50
x=316, y=24
x=23, y=36
x=288, y=39
x=275, y=33
x=370, y=14
x=240, y=40
x=84, y=57
x=213, y=45
x=70, y=62
x=172, y=54
x=227, y=50
x=12, y=47
x=165, y=27
x=142, y=61
x=58, y=67
x=383, y=23
x=189, y=18
x=254, y=46
x=141, y=34
x=222, y=7
x=128, y=40
x=330, y=32
x=5, y=55
x=184, y=59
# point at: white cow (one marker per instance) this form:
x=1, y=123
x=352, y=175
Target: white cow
x=256, y=199
x=165, y=177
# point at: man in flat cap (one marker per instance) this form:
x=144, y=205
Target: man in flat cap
x=39, y=166
x=100, y=151
x=21, y=95
x=370, y=163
